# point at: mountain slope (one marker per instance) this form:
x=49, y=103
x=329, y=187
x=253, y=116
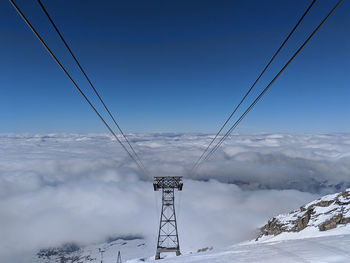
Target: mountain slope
x=317, y=232
x=325, y=213
x=72, y=253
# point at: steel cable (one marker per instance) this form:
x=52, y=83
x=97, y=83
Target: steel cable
x=74, y=83
x=88, y=79
x=255, y=82
x=268, y=86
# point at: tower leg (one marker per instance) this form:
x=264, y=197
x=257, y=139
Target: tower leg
x=168, y=239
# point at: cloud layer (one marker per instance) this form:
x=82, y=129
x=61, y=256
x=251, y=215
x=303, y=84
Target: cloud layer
x=57, y=188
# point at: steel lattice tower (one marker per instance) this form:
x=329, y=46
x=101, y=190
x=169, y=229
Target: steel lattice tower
x=168, y=239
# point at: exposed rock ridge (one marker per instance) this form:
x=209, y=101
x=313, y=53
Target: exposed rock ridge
x=324, y=213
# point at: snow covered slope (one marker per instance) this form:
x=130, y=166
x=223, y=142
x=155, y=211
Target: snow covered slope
x=331, y=248
x=312, y=250
x=313, y=219
x=317, y=232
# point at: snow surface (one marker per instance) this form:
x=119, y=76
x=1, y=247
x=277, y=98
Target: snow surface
x=312, y=250
x=310, y=246
x=333, y=246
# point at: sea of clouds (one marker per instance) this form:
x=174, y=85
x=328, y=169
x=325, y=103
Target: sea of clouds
x=58, y=188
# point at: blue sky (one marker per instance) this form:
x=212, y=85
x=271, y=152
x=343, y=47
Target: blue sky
x=177, y=66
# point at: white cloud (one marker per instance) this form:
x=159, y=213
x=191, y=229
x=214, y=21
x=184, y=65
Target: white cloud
x=56, y=188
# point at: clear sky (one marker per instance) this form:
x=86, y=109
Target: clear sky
x=177, y=66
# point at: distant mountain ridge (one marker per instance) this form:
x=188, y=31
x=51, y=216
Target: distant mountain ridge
x=130, y=247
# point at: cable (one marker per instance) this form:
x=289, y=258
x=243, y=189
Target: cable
x=88, y=79
x=250, y=89
x=74, y=83
x=269, y=85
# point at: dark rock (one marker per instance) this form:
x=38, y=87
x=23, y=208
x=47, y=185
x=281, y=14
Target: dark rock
x=345, y=220
x=331, y=223
x=302, y=221
x=204, y=249
x=324, y=203
x=61, y=253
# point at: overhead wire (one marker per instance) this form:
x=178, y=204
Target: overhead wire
x=88, y=79
x=74, y=83
x=252, y=86
x=213, y=150
x=207, y=156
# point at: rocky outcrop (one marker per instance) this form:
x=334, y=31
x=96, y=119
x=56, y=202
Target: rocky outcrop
x=205, y=249
x=61, y=253
x=331, y=223
x=324, y=213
